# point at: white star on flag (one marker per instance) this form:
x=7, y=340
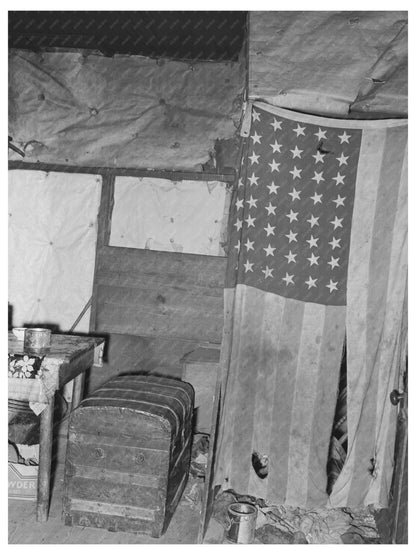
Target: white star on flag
x=311, y=282
x=334, y=243
x=292, y=215
x=319, y=157
x=256, y=115
x=254, y=158
x=270, y=209
x=276, y=124
x=344, y=138
x=339, y=201
x=237, y=246
x=318, y=177
x=239, y=203
x=295, y=172
x=269, y=250
x=291, y=236
x=313, y=241
x=276, y=147
x=333, y=262
x=273, y=188
x=250, y=221
x=269, y=229
x=240, y=183
x=321, y=134
x=343, y=159
x=288, y=279
x=313, y=221
x=249, y=245
x=332, y=285
x=268, y=272
x=252, y=202
x=339, y=179
x=316, y=198
x=299, y=130
x=337, y=222
x=294, y=194
x=296, y=152
x=248, y=266
x=290, y=257
x=274, y=165
x=253, y=179
x=238, y=224
x=313, y=259
x=256, y=138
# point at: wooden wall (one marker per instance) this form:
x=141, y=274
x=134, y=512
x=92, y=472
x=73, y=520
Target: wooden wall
x=152, y=307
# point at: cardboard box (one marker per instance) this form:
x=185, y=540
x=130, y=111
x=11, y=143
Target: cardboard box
x=23, y=481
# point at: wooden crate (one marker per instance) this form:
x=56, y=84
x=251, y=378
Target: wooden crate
x=128, y=455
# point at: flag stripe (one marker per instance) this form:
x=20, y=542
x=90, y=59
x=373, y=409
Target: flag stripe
x=378, y=262
x=374, y=305
x=308, y=363
x=268, y=380
x=333, y=337
x=243, y=367
x=287, y=354
x=389, y=356
x=368, y=174
x=230, y=344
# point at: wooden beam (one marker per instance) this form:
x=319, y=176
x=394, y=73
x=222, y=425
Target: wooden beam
x=103, y=236
x=132, y=172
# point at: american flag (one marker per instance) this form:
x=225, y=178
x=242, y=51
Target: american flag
x=293, y=208
x=318, y=252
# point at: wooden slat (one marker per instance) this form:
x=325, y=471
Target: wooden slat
x=139, y=172
x=173, y=267
x=150, y=293
x=103, y=235
x=111, y=509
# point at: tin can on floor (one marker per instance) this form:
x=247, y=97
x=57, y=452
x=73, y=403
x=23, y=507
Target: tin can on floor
x=241, y=523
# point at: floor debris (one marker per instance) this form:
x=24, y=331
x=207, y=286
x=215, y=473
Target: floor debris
x=294, y=525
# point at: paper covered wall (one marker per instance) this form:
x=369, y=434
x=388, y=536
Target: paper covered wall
x=124, y=111
x=52, y=239
x=330, y=63
x=163, y=215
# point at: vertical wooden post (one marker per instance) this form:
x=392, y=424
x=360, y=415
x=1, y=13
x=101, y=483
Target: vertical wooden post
x=103, y=234
x=45, y=460
x=77, y=390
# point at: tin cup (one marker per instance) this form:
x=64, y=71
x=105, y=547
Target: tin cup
x=19, y=333
x=37, y=340
x=241, y=523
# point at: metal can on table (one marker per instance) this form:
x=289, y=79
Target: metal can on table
x=37, y=339
x=241, y=523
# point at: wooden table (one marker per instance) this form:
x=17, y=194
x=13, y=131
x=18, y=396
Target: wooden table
x=67, y=359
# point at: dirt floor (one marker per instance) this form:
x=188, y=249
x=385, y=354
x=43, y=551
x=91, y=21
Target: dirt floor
x=24, y=529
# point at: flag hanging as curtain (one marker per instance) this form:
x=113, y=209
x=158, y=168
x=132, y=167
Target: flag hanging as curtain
x=317, y=251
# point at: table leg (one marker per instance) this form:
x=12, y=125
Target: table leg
x=78, y=389
x=45, y=460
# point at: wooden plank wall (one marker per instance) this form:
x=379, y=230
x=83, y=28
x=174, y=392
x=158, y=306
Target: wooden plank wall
x=148, y=293
x=153, y=307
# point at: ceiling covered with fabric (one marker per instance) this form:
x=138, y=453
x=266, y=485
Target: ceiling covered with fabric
x=330, y=63
x=174, y=83
x=121, y=111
